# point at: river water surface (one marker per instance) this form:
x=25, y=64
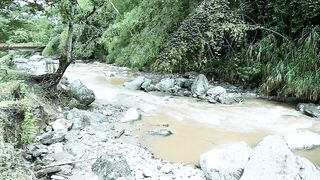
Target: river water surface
x=197, y=126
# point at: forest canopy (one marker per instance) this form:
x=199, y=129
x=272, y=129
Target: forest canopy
x=269, y=45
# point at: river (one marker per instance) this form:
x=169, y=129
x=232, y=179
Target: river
x=197, y=126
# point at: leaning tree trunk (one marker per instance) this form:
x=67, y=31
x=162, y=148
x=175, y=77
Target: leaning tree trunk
x=53, y=79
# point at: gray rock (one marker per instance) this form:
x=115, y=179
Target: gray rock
x=229, y=98
x=66, y=170
x=226, y=161
x=302, y=139
x=52, y=137
x=46, y=171
x=135, y=84
x=160, y=132
x=200, y=85
x=310, y=109
x=215, y=91
x=132, y=114
x=81, y=93
x=165, y=85
x=55, y=148
x=67, y=124
x=40, y=150
x=58, y=126
x=146, y=85
x=112, y=165
x=272, y=159
x=82, y=119
x=180, y=82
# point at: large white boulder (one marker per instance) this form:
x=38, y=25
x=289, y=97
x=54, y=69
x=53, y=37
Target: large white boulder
x=213, y=92
x=135, y=84
x=165, y=85
x=81, y=93
x=200, y=85
x=132, y=114
x=302, y=139
x=226, y=162
x=272, y=159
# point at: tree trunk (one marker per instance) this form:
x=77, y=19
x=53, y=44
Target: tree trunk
x=52, y=80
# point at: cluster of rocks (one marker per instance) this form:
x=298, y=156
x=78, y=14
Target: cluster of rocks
x=270, y=159
x=187, y=86
x=82, y=144
x=310, y=109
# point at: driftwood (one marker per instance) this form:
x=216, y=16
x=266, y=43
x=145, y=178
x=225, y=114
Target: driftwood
x=120, y=134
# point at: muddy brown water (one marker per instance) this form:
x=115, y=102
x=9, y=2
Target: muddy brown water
x=197, y=126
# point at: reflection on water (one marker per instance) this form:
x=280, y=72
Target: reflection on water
x=197, y=126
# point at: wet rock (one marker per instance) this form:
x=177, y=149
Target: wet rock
x=200, y=85
x=229, y=98
x=226, y=161
x=112, y=165
x=52, y=137
x=81, y=93
x=302, y=139
x=135, y=84
x=160, y=132
x=215, y=91
x=310, y=109
x=132, y=114
x=109, y=74
x=181, y=82
x=146, y=85
x=165, y=85
x=272, y=159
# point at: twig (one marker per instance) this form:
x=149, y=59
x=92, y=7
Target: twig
x=69, y=162
x=120, y=134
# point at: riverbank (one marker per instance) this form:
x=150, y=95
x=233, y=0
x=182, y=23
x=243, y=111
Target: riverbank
x=88, y=140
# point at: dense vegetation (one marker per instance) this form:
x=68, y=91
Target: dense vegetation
x=269, y=45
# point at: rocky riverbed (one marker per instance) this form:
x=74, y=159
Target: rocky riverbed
x=102, y=142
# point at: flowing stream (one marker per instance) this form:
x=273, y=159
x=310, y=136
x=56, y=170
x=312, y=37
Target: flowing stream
x=197, y=126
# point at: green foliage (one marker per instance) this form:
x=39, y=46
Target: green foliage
x=29, y=126
x=137, y=34
x=291, y=69
x=211, y=31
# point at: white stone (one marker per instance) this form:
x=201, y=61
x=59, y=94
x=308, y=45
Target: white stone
x=213, y=92
x=200, y=85
x=272, y=159
x=302, y=139
x=226, y=161
x=58, y=126
x=55, y=148
x=132, y=114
